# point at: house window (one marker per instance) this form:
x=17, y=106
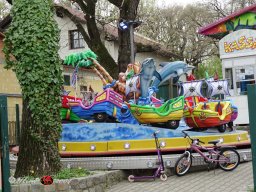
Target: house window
x=229, y=77
x=66, y=80
x=76, y=39
x=83, y=88
x=244, y=76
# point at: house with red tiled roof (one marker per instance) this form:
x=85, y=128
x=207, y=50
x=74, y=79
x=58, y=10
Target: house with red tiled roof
x=237, y=48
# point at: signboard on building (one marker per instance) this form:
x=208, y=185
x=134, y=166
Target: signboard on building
x=237, y=44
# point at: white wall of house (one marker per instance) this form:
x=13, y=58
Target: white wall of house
x=87, y=78
x=238, y=55
x=65, y=25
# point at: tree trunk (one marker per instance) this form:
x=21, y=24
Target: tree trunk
x=92, y=37
x=34, y=162
x=128, y=11
x=105, y=59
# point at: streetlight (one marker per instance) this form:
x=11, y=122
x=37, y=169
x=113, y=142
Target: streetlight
x=124, y=25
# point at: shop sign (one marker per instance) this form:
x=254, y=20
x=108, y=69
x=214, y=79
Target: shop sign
x=239, y=42
x=242, y=43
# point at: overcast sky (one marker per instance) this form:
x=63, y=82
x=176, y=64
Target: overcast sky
x=178, y=2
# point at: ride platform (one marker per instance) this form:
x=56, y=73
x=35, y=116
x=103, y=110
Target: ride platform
x=113, y=139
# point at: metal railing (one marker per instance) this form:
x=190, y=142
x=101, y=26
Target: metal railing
x=14, y=132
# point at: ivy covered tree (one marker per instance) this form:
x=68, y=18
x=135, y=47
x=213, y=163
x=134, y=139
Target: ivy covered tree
x=33, y=39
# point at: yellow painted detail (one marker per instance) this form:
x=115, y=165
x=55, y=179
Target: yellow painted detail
x=114, y=112
x=102, y=97
x=178, y=104
x=210, y=111
x=83, y=146
x=149, y=144
x=155, y=118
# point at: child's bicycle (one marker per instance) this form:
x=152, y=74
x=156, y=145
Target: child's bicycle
x=159, y=172
x=226, y=157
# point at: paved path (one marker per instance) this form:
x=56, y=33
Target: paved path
x=239, y=180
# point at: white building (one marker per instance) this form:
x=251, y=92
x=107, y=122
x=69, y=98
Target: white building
x=238, y=55
x=237, y=47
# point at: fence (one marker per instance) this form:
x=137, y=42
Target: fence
x=14, y=132
x=14, y=124
x=5, y=172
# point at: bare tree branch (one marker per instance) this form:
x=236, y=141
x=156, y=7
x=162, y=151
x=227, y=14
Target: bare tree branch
x=117, y=3
x=82, y=5
x=77, y=21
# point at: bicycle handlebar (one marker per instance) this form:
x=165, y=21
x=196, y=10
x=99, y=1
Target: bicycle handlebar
x=186, y=135
x=155, y=133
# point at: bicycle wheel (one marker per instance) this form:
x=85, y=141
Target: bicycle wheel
x=229, y=158
x=183, y=164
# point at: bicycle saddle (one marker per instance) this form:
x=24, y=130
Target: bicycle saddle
x=214, y=142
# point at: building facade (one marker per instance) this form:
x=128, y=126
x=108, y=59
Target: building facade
x=71, y=41
x=237, y=48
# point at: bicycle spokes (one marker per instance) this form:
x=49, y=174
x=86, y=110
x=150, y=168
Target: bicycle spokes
x=229, y=159
x=183, y=165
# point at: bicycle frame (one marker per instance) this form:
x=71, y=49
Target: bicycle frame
x=213, y=156
x=211, y=150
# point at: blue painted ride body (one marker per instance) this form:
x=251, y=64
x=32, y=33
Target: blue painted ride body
x=104, y=107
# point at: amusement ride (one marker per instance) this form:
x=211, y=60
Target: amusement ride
x=121, y=119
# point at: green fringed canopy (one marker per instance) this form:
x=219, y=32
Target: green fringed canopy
x=80, y=59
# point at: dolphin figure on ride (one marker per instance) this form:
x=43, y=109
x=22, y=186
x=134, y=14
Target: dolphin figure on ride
x=148, y=70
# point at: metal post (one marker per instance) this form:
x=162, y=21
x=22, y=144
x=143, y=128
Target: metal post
x=252, y=106
x=170, y=88
x=132, y=42
x=5, y=144
x=17, y=124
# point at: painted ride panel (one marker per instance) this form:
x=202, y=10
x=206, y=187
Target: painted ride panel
x=65, y=99
x=200, y=112
x=65, y=112
x=108, y=102
x=93, y=139
x=208, y=114
x=68, y=115
x=170, y=110
x=128, y=137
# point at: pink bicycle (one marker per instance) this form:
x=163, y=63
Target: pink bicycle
x=226, y=157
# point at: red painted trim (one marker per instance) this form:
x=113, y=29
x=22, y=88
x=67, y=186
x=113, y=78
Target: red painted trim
x=209, y=122
x=251, y=8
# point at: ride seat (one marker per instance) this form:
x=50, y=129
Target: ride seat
x=205, y=106
x=214, y=142
x=219, y=108
x=164, y=108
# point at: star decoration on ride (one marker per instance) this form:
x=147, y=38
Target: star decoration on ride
x=219, y=87
x=202, y=116
x=192, y=89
